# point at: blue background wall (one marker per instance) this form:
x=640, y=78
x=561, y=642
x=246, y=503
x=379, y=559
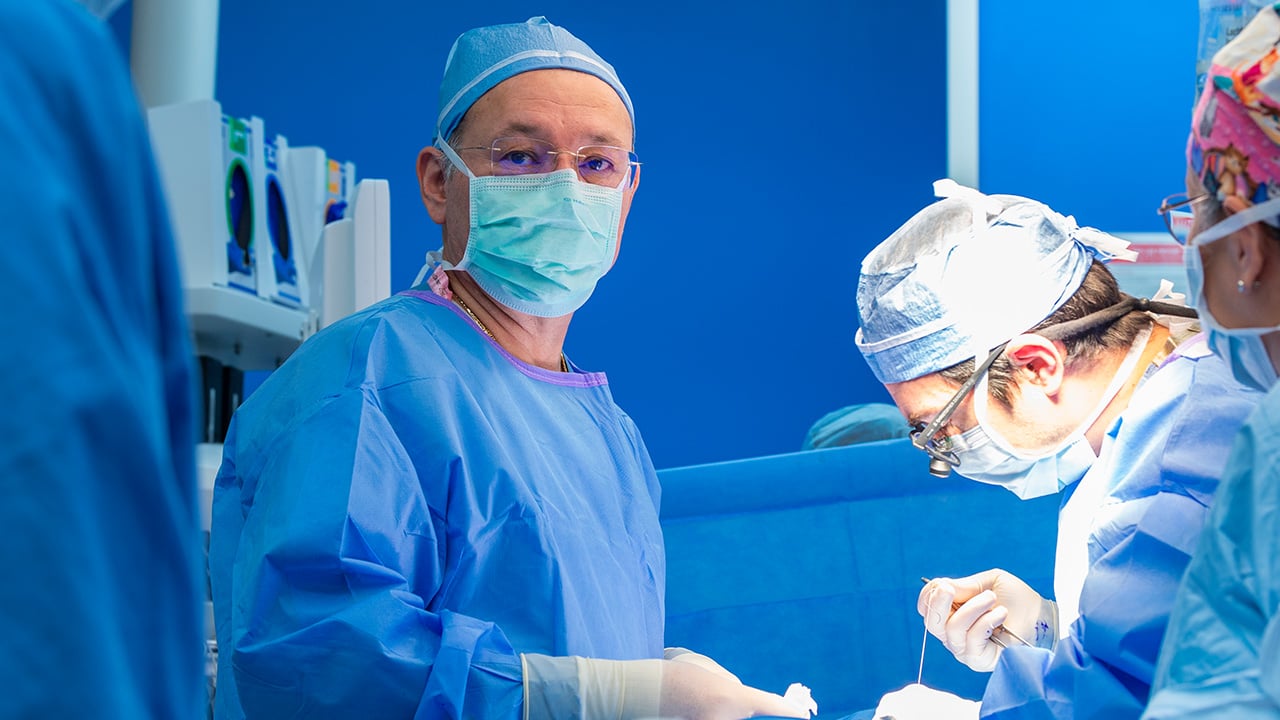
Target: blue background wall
x=1086, y=105
x=779, y=148
x=810, y=568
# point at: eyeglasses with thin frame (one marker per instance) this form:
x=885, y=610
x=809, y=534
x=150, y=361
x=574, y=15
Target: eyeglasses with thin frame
x=1178, y=216
x=605, y=165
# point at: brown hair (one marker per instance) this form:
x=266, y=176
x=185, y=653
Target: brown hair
x=1098, y=292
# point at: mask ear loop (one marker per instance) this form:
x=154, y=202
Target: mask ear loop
x=1264, y=211
x=449, y=152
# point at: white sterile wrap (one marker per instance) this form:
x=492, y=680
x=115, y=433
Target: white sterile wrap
x=1179, y=326
x=917, y=702
x=799, y=696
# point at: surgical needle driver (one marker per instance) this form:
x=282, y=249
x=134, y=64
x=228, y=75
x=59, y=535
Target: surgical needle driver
x=996, y=631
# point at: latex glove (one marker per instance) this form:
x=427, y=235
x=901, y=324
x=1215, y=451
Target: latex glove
x=917, y=702
x=679, y=654
x=802, y=698
x=797, y=694
x=984, y=602
x=559, y=687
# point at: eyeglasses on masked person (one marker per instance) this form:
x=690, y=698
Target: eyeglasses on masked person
x=604, y=165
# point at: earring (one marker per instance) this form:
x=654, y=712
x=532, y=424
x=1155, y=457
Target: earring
x=1240, y=286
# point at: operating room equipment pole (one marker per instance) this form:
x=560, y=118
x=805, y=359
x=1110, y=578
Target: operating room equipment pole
x=174, y=50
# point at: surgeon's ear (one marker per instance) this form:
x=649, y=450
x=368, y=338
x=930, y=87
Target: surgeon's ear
x=431, y=181
x=1253, y=245
x=1250, y=243
x=1038, y=361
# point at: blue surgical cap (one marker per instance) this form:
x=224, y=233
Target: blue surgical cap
x=483, y=57
x=856, y=424
x=966, y=274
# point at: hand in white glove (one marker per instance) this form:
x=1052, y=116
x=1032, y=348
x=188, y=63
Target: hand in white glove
x=692, y=693
x=797, y=695
x=917, y=702
x=557, y=687
x=679, y=654
x=983, y=603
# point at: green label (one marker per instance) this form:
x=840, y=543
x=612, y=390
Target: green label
x=238, y=136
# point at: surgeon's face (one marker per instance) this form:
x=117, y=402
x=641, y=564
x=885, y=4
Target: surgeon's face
x=566, y=108
x=1026, y=425
x=920, y=400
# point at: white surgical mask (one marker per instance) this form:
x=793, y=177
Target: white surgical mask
x=1240, y=348
x=987, y=457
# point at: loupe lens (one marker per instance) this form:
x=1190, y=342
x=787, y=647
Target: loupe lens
x=939, y=467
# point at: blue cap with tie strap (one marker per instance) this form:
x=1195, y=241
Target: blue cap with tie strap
x=483, y=57
x=966, y=274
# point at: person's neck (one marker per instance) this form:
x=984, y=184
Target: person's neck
x=535, y=340
x=1155, y=344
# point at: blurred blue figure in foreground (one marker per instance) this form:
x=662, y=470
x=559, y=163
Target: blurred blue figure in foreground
x=100, y=609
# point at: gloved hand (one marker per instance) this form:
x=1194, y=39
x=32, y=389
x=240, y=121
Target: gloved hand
x=559, y=687
x=917, y=702
x=984, y=602
x=679, y=654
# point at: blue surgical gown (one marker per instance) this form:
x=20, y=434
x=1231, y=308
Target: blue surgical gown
x=403, y=508
x=1161, y=462
x=100, y=605
x=1221, y=657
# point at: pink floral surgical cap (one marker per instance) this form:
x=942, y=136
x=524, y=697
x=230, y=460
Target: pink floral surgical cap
x=1234, y=146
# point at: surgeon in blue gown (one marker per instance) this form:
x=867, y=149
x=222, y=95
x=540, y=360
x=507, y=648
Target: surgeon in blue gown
x=428, y=511
x=100, y=606
x=1221, y=657
x=1061, y=385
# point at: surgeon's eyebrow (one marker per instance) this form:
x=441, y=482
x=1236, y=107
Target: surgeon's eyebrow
x=538, y=132
x=922, y=420
x=519, y=128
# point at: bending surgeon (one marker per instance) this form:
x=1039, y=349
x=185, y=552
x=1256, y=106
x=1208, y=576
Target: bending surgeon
x=1048, y=380
x=428, y=511
x=1221, y=652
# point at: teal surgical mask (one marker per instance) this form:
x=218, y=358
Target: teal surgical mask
x=1240, y=348
x=539, y=243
